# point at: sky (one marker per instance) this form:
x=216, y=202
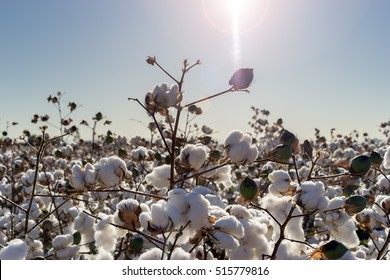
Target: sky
x=317, y=64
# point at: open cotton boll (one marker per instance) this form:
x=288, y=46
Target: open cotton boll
x=152, y=254
x=180, y=254
x=198, y=211
x=89, y=175
x=239, y=211
x=238, y=147
x=225, y=241
x=62, y=241
x=312, y=196
x=230, y=225
x=28, y=178
x=386, y=158
x=280, y=182
x=110, y=171
x=16, y=249
x=84, y=222
x=127, y=213
x=159, y=178
x=159, y=214
x=77, y=179
x=105, y=235
x=35, y=249
x=139, y=153
x=67, y=253
x=193, y=156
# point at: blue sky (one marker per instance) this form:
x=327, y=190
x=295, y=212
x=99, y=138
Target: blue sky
x=317, y=64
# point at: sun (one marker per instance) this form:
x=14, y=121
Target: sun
x=232, y=16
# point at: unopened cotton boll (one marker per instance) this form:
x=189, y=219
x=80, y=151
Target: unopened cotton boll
x=241, y=78
x=160, y=177
x=16, y=249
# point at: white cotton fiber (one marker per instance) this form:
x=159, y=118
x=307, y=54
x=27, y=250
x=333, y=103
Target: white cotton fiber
x=16, y=249
x=159, y=178
x=386, y=158
x=152, y=254
x=230, y=225
x=110, y=171
x=198, y=210
x=225, y=241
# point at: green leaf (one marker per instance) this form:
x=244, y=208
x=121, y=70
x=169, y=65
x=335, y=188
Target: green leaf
x=334, y=250
x=248, y=188
x=76, y=238
x=355, y=204
x=360, y=165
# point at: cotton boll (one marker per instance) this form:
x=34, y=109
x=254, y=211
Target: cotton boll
x=193, y=156
x=198, y=210
x=160, y=177
x=89, y=175
x=127, y=213
x=67, y=253
x=145, y=218
x=311, y=196
x=230, y=225
x=84, y=222
x=238, y=147
x=139, y=153
x=225, y=241
x=238, y=152
x=62, y=241
x=159, y=214
x=239, y=211
x=386, y=158
x=35, y=249
x=16, y=249
x=77, y=179
x=105, y=236
x=110, y=171
x=180, y=254
x=280, y=182
x=152, y=254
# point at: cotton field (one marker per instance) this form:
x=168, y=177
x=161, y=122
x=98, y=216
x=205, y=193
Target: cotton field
x=260, y=194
